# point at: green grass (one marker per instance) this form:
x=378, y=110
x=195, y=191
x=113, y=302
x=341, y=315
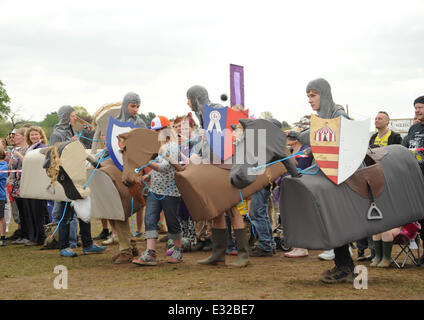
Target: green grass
x=27, y=273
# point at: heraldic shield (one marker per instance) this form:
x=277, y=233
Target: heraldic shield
x=217, y=122
x=114, y=129
x=339, y=145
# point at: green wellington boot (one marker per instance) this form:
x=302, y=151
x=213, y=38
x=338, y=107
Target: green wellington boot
x=242, y=247
x=378, y=245
x=219, y=244
x=387, y=255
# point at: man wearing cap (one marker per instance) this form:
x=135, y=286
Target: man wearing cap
x=302, y=163
x=414, y=140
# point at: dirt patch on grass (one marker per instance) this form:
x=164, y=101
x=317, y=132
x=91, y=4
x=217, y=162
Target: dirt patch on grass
x=27, y=273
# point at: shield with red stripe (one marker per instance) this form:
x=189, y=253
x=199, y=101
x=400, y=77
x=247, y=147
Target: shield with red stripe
x=339, y=145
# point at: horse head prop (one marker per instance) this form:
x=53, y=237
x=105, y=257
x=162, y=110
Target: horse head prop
x=261, y=142
x=138, y=147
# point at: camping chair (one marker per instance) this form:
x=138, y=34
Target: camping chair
x=407, y=234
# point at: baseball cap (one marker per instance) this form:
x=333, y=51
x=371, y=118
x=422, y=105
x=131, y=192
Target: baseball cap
x=419, y=100
x=160, y=122
x=293, y=135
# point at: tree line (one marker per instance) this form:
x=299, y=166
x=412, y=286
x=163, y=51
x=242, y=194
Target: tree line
x=11, y=119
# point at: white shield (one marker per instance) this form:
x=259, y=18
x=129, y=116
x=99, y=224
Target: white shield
x=115, y=128
x=354, y=141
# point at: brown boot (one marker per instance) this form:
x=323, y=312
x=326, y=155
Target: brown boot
x=242, y=248
x=123, y=257
x=219, y=244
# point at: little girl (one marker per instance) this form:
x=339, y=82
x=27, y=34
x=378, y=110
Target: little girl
x=164, y=195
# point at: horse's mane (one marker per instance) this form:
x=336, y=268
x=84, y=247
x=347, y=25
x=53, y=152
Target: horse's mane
x=53, y=169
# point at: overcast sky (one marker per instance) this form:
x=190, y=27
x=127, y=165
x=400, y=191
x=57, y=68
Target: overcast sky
x=90, y=53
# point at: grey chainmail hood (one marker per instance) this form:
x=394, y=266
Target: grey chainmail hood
x=198, y=96
x=327, y=107
x=125, y=115
x=63, y=130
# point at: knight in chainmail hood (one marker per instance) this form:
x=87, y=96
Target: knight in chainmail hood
x=125, y=115
x=198, y=97
x=63, y=130
x=327, y=108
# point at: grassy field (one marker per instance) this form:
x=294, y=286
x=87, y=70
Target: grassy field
x=28, y=273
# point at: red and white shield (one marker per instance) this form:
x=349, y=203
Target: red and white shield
x=339, y=145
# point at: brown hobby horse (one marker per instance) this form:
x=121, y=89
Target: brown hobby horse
x=138, y=147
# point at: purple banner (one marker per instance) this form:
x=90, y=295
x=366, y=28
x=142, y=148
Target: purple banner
x=237, y=85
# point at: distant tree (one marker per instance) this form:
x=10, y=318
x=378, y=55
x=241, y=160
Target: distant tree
x=148, y=118
x=48, y=123
x=303, y=123
x=15, y=118
x=266, y=115
x=5, y=127
x=285, y=125
x=50, y=120
x=82, y=112
x=4, y=102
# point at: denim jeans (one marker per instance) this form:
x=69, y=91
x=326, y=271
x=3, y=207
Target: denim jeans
x=57, y=213
x=169, y=205
x=260, y=219
x=73, y=232
x=65, y=227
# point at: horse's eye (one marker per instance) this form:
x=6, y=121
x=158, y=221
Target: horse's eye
x=122, y=149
